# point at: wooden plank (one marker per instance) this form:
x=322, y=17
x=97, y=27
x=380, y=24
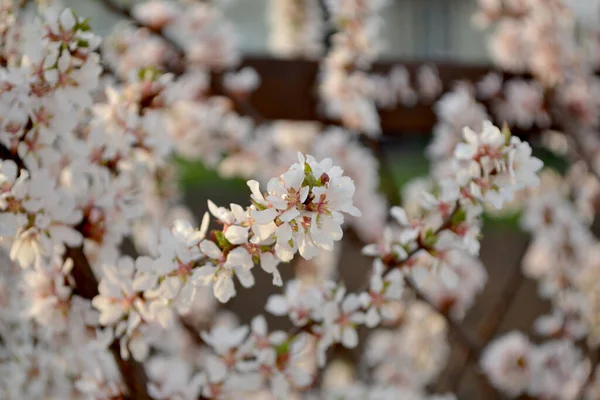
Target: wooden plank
x=288, y=91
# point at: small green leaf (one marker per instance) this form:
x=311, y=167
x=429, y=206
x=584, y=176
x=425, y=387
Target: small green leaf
x=310, y=180
x=430, y=239
x=506, y=132
x=283, y=348
x=83, y=25
x=458, y=217
x=222, y=240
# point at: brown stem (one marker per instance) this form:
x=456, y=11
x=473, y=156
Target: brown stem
x=465, y=338
x=126, y=13
x=132, y=372
x=242, y=105
x=488, y=328
x=472, y=346
x=583, y=152
x=455, y=327
x=594, y=358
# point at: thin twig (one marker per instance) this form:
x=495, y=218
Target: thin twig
x=582, y=151
x=471, y=344
x=489, y=327
x=126, y=13
x=461, y=333
x=242, y=105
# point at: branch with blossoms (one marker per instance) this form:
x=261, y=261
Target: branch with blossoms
x=485, y=168
x=36, y=215
x=96, y=168
x=560, y=98
x=214, y=106
x=302, y=211
x=522, y=103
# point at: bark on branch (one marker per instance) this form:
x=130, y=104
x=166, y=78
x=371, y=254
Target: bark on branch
x=132, y=372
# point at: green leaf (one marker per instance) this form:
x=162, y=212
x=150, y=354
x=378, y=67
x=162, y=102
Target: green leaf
x=430, y=238
x=310, y=180
x=506, y=132
x=458, y=217
x=222, y=240
x=283, y=348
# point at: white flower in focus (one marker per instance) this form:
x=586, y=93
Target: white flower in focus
x=486, y=146
x=522, y=167
x=220, y=270
x=303, y=208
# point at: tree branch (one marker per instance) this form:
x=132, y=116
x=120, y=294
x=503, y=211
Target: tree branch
x=488, y=328
x=472, y=346
x=454, y=326
x=469, y=342
x=132, y=372
x=583, y=153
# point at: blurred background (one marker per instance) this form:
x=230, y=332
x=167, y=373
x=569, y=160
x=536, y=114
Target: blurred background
x=414, y=29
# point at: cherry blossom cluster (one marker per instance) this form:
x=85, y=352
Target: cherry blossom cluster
x=346, y=89
x=87, y=170
x=302, y=211
x=209, y=126
x=554, y=369
x=274, y=146
x=395, y=88
x=487, y=167
x=531, y=36
x=428, y=251
x=297, y=28
x=540, y=38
